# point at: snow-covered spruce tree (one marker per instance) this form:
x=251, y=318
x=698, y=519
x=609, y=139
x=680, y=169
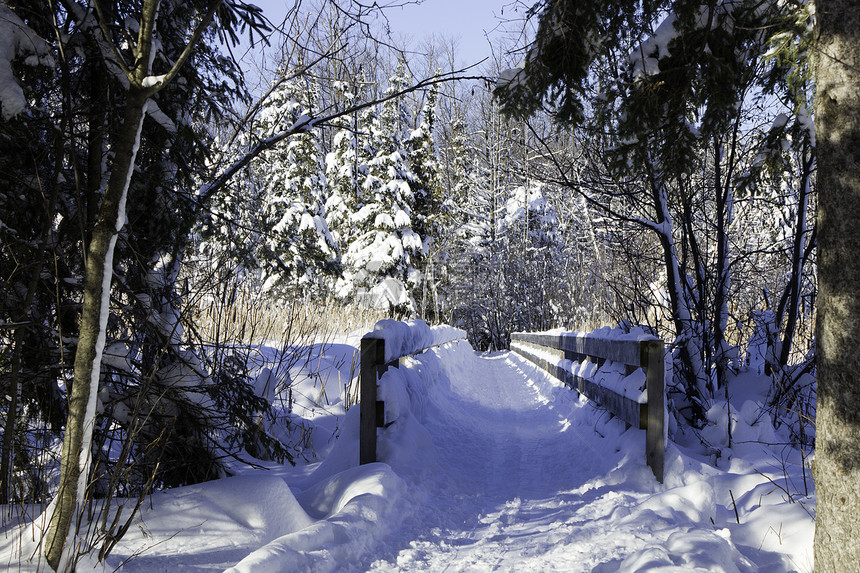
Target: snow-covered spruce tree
x=385, y=250
x=346, y=165
x=431, y=214
x=425, y=167
x=458, y=174
x=298, y=253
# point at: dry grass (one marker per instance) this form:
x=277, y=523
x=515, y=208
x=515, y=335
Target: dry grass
x=290, y=326
x=251, y=319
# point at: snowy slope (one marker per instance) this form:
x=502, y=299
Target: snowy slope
x=489, y=465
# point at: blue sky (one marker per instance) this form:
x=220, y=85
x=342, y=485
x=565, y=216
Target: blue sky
x=468, y=21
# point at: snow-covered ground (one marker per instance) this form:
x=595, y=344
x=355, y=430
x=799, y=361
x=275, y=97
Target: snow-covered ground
x=489, y=465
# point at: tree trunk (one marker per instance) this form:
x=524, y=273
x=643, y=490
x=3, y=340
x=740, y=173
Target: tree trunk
x=837, y=448
x=789, y=304
x=75, y=457
x=690, y=348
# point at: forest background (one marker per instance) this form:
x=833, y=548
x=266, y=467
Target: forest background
x=366, y=176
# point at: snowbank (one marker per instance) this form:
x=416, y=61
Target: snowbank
x=358, y=507
x=404, y=338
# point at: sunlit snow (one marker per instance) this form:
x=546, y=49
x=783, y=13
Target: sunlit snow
x=487, y=465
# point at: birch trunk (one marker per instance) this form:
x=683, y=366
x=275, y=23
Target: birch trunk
x=837, y=449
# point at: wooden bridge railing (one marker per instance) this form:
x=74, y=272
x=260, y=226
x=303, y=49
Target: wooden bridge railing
x=375, y=360
x=644, y=411
x=372, y=367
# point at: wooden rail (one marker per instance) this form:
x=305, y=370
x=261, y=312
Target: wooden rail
x=371, y=410
x=645, y=353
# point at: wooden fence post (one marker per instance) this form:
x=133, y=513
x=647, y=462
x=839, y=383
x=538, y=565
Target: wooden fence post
x=372, y=358
x=655, y=385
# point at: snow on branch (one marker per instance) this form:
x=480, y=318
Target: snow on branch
x=306, y=123
x=17, y=40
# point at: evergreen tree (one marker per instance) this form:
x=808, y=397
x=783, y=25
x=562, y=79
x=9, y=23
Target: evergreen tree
x=429, y=202
x=346, y=166
x=432, y=212
x=385, y=245
x=299, y=250
x=111, y=145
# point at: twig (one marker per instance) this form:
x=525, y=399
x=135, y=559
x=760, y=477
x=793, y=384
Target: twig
x=790, y=499
x=734, y=505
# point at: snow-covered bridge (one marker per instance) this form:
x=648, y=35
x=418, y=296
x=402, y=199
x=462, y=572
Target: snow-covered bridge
x=490, y=464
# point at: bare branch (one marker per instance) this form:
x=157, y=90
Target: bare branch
x=307, y=123
x=186, y=53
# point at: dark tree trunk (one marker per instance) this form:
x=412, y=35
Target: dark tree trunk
x=837, y=122
x=74, y=460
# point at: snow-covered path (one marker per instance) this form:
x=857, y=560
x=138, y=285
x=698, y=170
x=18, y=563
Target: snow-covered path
x=528, y=477
x=508, y=463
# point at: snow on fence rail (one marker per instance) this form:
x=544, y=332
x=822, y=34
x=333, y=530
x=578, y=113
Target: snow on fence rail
x=612, y=369
x=383, y=347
